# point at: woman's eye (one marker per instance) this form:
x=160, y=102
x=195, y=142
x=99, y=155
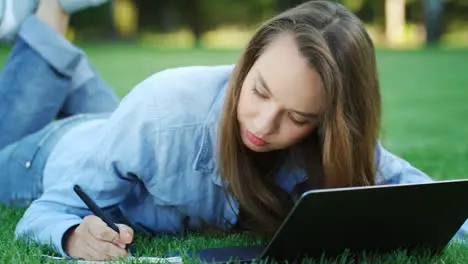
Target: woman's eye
x=298, y=121
x=257, y=93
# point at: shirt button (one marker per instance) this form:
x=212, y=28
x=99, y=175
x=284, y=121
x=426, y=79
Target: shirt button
x=27, y=164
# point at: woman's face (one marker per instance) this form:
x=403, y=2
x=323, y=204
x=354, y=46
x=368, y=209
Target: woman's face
x=281, y=100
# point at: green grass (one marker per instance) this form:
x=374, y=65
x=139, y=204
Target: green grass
x=424, y=103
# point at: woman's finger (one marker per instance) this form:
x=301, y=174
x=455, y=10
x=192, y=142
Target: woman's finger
x=125, y=234
x=104, y=249
x=100, y=231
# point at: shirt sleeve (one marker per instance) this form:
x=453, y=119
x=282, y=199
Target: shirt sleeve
x=119, y=154
x=392, y=169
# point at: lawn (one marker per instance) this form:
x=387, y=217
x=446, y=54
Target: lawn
x=424, y=95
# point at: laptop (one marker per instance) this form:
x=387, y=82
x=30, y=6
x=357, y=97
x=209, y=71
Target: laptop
x=378, y=219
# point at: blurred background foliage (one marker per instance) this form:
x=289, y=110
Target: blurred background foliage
x=229, y=23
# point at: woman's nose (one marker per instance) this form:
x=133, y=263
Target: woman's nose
x=265, y=123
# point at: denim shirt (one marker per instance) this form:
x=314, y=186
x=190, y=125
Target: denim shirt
x=153, y=161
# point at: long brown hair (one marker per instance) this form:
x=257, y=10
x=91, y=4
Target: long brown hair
x=340, y=152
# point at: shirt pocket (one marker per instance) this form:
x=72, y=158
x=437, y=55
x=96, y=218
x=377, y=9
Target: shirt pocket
x=23, y=154
x=24, y=170
x=29, y=155
x=27, y=161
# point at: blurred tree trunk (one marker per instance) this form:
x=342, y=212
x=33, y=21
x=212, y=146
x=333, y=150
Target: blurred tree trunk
x=283, y=4
x=395, y=21
x=195, y=19
x=433, y=13
x=109, y=27
x=286, y=4
x=95, y=23
x=150, y=14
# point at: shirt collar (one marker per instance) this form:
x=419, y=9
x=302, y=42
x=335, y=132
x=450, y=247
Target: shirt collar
x=289, y=175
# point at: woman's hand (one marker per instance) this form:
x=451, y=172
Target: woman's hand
x=94, y=240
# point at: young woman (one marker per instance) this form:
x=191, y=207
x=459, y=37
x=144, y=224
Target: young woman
x=228, y=147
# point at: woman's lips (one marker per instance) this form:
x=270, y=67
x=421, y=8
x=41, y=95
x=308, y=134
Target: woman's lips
x=254, y=139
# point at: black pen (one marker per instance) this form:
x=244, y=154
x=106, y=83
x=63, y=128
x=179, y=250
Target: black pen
x=99, y=213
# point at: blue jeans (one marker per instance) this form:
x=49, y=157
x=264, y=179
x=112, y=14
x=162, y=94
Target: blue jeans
x=47, y=85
